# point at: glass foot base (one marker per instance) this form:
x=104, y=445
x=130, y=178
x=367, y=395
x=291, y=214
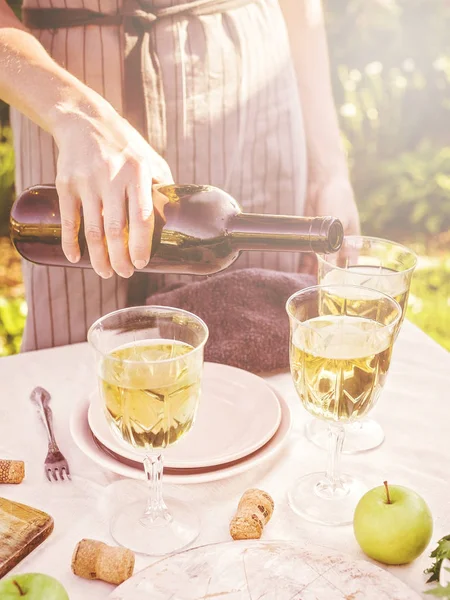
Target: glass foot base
x=313, y=498
x=361, y=436
x=131, y=530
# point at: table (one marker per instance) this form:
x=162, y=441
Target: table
x=414, y=410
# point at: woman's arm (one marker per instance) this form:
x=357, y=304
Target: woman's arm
x=329, y=189
x=32, y=82
x=96, y=146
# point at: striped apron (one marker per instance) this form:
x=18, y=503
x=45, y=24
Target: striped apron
x=210, y=84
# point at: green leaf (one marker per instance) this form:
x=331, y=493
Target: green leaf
x=439, y=591
x=441, y=551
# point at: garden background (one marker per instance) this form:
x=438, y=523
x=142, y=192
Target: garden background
x=390, y=63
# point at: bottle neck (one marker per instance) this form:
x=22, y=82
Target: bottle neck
x=285, y=233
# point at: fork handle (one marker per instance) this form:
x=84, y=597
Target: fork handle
x=47, y=417
x=42, y=397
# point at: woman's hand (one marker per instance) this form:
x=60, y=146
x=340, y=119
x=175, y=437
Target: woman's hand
x=105, y=170
x=335, y=199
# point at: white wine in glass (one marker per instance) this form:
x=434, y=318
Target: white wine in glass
x=376, y=278
x=149, y=366
x=339, y=363
x=350, y=355
x=151, y=391
x=377, y=264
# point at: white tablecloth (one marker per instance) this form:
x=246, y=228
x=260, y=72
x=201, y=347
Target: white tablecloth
x=414, y=411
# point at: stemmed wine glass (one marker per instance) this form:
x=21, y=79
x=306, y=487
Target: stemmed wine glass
x=340, y=350
x=378, y=264
x=149, y=363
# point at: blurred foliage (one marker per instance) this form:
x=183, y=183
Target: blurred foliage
x=12, y=322
x=390, y=62
x=12, y=304
x=6, y=177
x=407, y=196
x=429, y=303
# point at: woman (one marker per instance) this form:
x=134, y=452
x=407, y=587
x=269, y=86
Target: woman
x=234, y=93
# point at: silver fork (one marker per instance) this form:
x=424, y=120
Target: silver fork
x=55, y=463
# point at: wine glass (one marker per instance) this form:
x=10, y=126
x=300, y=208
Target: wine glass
x=340, y=350
x=149, y=363
x=382, y=265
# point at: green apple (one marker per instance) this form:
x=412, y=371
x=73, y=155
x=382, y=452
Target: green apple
x=32, y=586
x=392, y=524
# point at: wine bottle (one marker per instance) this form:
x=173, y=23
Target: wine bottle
x=199, y=230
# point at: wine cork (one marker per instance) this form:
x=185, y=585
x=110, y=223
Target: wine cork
x=254, y=511
x=246, y=525
x=96, y=560
x=257, y=499
x=12, y=471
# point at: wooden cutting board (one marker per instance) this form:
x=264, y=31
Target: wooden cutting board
x=22, y=529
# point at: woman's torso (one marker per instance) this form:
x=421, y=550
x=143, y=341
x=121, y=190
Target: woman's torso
x=232, y=119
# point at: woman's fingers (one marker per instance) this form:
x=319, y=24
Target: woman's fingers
x=69, y=206
x=141, y=222
x=113, y=197
x=140, y=216
x=95, y=235
x=116, y=230
x=105, y=165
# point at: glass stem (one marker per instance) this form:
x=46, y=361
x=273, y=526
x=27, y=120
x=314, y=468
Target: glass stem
x=336, y=434
x=156, y=511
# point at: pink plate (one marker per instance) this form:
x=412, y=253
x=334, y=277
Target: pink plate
x=238, y=413
x=84, y=439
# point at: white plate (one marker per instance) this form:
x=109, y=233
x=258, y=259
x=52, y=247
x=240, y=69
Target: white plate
x=238, y=413
x=84, y=439
x=271, y=570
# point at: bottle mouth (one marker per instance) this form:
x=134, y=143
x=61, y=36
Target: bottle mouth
x=327, y=234
x=335, y=235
